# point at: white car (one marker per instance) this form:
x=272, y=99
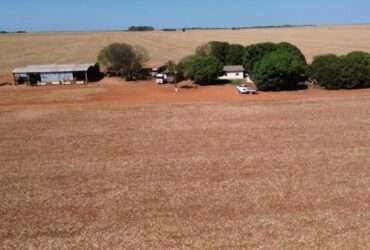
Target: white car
x=161, y=78
x=246, y=90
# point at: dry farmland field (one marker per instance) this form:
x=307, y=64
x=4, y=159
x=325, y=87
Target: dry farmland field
x=41, y=48
x=132, y=166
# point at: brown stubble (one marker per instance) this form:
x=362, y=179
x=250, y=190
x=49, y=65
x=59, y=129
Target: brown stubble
x=283, y=174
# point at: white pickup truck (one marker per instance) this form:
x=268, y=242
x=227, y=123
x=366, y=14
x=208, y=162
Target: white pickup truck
x=246, y=90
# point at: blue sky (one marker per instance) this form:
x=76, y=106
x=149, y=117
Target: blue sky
x=46, y=15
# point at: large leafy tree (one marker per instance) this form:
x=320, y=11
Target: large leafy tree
x=254, y=53
x=219, y=50
x=234, y=55
x=201, y=69
x=325, y=71
x=123, y=59
x=346, y=72
x=227, y=54
x=280, y=70
x=356, y=70
x=185, y=65
x=292, y=49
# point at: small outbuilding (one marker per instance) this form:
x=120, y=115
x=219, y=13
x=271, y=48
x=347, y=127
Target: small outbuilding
x=54, y=74
x=233, y=72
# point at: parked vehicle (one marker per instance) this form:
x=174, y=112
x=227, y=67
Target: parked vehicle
x=246, y=90
x=161, y=78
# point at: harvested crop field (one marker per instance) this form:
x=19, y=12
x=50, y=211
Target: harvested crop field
x=118, y=165
x=41, y=48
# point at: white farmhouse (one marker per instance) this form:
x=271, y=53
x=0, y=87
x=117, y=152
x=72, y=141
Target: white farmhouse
x=233, y=72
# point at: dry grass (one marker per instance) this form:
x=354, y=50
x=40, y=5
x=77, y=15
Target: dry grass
x=51, y=94
x=276, y=175
x=24, y=49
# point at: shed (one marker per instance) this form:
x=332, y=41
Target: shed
x=52, y=73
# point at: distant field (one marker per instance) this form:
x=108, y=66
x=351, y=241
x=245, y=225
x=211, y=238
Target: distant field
x=24, y=49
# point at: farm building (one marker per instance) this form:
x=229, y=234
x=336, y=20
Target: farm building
x=233, y=72
x=55, y=74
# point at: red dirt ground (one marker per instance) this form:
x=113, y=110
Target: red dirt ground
x=6, y=80
x=114, y=90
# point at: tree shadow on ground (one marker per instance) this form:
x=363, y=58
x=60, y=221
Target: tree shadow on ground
x=215, y=83
x=299, y=86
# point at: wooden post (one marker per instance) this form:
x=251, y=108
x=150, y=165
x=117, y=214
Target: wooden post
x=86, y=78
x=15, y=79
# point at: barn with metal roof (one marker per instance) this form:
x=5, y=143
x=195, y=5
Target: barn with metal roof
x=53, y=74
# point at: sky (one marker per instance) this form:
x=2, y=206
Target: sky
x=60, y=15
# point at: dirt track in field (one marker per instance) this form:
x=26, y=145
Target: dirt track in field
x=123, y=165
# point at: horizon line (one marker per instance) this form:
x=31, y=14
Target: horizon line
x=277, y=26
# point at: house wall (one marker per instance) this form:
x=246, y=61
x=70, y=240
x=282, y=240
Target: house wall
x=232, y=76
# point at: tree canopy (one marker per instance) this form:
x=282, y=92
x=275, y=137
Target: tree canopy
x=345, y=72
x=234, y=54
x=281, y=69
x=254, y=53
x=219, y=50
x=201, y=69
x=227, y=54
x=123, y=59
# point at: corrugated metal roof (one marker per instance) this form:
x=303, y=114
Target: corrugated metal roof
x=234, y=68
x=53, y=68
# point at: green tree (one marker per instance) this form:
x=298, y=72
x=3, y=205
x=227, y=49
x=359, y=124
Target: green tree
x=325, y=71
x=219, y=50
x=279, y=70
x=254, y=53
x=227, y=54
x=346, y=72
x=123, y=59
x=184, y=65
x=293, y=49
x=201, y=69
x=234, y=55
x=356, y=70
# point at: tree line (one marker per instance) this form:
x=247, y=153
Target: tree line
x=272, y=66
x=16, y=32
x=140, y=28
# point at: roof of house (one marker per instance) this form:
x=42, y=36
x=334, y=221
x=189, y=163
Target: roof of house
x=234, y=68
x=53, y=68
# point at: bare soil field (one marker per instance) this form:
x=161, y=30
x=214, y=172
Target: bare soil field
x=131, y=166
x=40, y=48
x=143, y=93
